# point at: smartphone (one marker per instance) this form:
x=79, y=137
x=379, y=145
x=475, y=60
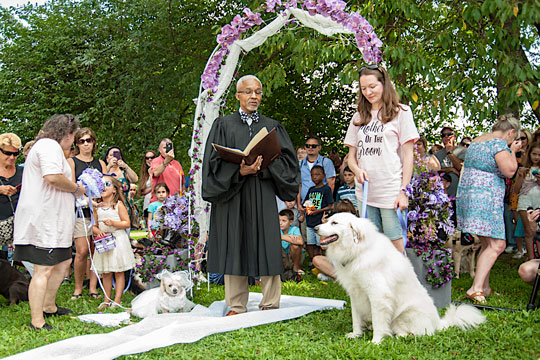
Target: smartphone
x=116, y=154
x=168, y=147
x=18, y=187
x=534, y=172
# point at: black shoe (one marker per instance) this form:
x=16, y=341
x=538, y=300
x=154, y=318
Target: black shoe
x=44, y=327
x=59, y=312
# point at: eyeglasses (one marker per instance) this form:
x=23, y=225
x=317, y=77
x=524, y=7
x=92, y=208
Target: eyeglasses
x=312, y=146
x=150, y=157
x=107, y=183
x=249, y=92
x=370, y=67
x=10, y=153
x=466, y=145
x=446, y=135
x=87, y=140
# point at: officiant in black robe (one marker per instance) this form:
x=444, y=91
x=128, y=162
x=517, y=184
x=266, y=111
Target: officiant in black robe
x=244, y=237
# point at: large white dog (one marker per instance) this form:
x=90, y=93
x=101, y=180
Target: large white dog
x=382, y=285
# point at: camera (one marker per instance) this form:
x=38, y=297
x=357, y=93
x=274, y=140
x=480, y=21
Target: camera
x=537, y=220
x=168, y=147
x=117, y=155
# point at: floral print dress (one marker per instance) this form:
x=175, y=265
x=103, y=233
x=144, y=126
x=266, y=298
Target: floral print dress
x=481, y=191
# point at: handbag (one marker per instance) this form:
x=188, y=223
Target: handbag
x=6, y=226
x=104, y=243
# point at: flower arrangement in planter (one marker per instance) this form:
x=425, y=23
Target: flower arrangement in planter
x=430, y=212
x=173, y=221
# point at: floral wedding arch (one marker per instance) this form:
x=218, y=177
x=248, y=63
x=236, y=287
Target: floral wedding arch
x=328, y=17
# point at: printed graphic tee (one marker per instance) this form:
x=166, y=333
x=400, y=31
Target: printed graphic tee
x=378, y=152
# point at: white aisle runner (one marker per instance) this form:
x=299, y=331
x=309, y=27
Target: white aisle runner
x=169, y=329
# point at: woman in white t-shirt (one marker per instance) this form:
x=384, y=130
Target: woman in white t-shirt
x=44, y=217
x=381, y=139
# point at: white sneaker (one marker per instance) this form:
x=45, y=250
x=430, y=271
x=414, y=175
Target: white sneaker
x=519, y=254
x=323, y=277
x=509, y=249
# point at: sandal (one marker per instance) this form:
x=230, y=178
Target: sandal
x=477, y=297
x=75, y=296
x=94, y=295
x=104, y=305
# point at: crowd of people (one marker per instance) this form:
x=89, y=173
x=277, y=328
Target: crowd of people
x=52, y=216
x=493, y=181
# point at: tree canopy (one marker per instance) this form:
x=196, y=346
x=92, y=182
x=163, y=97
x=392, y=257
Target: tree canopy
x=131, y=69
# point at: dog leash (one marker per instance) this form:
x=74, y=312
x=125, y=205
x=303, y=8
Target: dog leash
x=402, y=219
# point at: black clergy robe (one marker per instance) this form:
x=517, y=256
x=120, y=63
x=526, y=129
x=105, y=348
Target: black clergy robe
x=244, y=237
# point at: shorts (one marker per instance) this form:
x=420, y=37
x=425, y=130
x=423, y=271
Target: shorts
x=41, y=256
x=79, y=230
x=312, y=237
x=386, y=221
x=530, y=199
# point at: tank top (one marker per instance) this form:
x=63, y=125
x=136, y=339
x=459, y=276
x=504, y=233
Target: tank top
x=80, y=166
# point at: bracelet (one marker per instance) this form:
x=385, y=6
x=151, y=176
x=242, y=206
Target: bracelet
x=77, y=190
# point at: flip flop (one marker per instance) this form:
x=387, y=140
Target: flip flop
x=94, y=295
x=75, y=296
x=477, y=297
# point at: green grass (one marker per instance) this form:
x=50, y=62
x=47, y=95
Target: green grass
x=319, y=335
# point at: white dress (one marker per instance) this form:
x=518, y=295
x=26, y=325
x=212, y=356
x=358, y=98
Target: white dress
x=120, y=258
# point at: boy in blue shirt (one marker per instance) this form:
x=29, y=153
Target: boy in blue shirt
x=348, y=190
x=291, y=241
x=318, y=200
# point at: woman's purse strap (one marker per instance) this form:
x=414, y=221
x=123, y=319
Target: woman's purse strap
x=9, y=197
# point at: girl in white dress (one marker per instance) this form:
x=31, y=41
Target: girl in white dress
x=112, y=217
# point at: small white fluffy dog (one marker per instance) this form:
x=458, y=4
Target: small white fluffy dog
x=169, y=297
x=382, y=285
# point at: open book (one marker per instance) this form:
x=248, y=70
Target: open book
x=263, y=143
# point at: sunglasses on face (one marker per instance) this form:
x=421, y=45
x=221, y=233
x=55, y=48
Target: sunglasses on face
x=446, y=135
x=523, y=138
x=10, y=153
x=150, y=157
x=311, y=146
x=88, y=140
x=466, y=145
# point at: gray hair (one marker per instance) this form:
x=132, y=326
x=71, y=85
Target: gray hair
x=507, y=122
x=58, y=126
x=244, y=78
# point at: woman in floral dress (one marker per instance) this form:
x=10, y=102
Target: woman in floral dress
x=480, y=196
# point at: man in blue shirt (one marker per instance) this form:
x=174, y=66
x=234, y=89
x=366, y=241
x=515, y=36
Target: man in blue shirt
x=313, y=147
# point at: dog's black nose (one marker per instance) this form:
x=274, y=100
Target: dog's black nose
x=175, y=291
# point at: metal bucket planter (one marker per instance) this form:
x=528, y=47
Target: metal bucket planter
x=170, y=264
x=441, y=296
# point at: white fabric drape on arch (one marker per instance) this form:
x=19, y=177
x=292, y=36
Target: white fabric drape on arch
x=210, y=109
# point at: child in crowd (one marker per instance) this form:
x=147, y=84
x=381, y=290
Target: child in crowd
x=161, y=190
x=318, y=200
x=528, y=185
x=291, y=205
x=291, y=241
x=348, y=190
x=112, y=217
x=324, y=269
